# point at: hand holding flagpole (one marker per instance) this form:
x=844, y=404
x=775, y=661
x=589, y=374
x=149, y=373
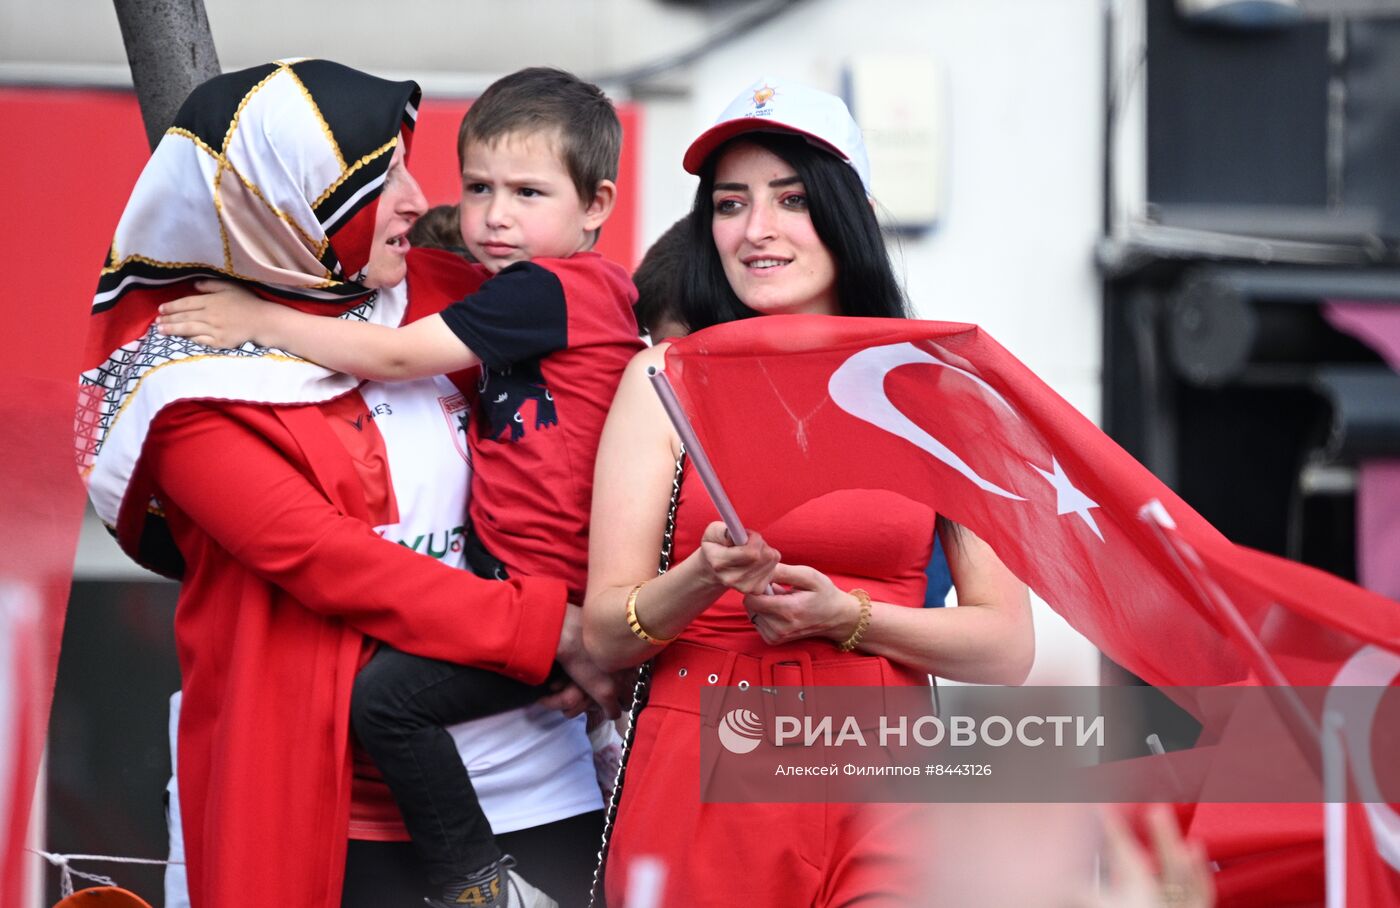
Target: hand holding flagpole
x=703, y=467
x=696, y=451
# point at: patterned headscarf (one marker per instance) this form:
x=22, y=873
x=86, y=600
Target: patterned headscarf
x=270, y=176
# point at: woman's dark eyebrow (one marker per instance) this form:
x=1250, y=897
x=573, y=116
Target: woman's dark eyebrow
x=773, y=184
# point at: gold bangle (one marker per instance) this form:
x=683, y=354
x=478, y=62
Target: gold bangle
x=636, y=625
x=861, y=624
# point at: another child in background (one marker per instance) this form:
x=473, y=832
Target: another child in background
x=658, y=284
x=440, y=227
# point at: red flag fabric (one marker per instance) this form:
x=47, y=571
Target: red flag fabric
x=792, y=408
x=39, y=526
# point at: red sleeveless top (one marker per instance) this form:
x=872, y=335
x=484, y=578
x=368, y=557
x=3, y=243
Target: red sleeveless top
x=873, y=539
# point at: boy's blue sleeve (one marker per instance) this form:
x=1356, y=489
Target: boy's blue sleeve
x=940, y=579
x=517, y=316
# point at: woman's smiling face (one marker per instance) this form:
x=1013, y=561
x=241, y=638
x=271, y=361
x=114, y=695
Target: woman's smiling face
x=763, y=232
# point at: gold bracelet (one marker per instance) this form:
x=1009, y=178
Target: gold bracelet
x=861, y=624
x=636, y=625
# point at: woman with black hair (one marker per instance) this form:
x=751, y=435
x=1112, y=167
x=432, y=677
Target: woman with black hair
x=782, y=225
x=834, y=200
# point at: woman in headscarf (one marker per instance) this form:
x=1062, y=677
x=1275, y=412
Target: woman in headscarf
x=307, y=514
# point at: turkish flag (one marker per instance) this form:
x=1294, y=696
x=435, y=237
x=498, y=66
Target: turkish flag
x=791, y=408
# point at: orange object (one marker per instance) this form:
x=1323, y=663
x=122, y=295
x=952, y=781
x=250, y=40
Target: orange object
x=103, y=897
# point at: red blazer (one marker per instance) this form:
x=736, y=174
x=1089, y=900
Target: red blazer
x=286, y=580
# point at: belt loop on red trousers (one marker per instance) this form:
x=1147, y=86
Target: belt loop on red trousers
x=718, y=680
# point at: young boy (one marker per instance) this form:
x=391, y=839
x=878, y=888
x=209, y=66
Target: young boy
x=552, y=330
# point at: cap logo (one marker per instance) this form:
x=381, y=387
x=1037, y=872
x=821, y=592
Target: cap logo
x=763, y=95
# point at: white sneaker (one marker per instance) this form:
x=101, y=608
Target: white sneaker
x=523, y=895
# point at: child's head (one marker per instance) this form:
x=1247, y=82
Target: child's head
x=438, y=228
x=659, y=286
x=538, y=152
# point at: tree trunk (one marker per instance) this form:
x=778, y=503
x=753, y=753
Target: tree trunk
x=170, y=50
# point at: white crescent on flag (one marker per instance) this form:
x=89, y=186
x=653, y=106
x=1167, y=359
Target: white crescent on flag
x=858, y=387
x=1374, y=669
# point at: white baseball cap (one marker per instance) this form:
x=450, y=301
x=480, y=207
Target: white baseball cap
x=771, y=105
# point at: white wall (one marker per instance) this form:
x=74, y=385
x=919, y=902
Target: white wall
x=1013, y=251
x=425, y=38
x=1024, y=84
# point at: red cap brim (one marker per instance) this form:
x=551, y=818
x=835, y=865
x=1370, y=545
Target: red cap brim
x=712, y=138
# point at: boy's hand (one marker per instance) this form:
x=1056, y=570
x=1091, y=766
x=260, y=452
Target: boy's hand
x=589, y=681
x=569, y=699
x=221, y=315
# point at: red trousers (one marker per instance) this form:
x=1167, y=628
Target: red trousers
x=758, y=854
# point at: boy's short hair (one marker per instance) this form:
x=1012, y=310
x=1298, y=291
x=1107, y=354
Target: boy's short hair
x=543, y=99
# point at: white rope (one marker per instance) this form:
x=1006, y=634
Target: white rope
x=66, y=871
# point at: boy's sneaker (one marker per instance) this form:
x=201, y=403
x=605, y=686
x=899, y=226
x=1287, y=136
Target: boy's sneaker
x=496, y=885
x=523, y=895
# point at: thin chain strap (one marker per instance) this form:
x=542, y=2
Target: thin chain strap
x=669, y=539
x=639, y=695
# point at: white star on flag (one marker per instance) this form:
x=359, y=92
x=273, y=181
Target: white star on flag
x=1068, y=499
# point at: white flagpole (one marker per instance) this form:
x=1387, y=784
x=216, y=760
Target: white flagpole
x=703, y=468
x=1334, y=788
x=696, y=452
x=1154, y=744
x=1291, y=709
